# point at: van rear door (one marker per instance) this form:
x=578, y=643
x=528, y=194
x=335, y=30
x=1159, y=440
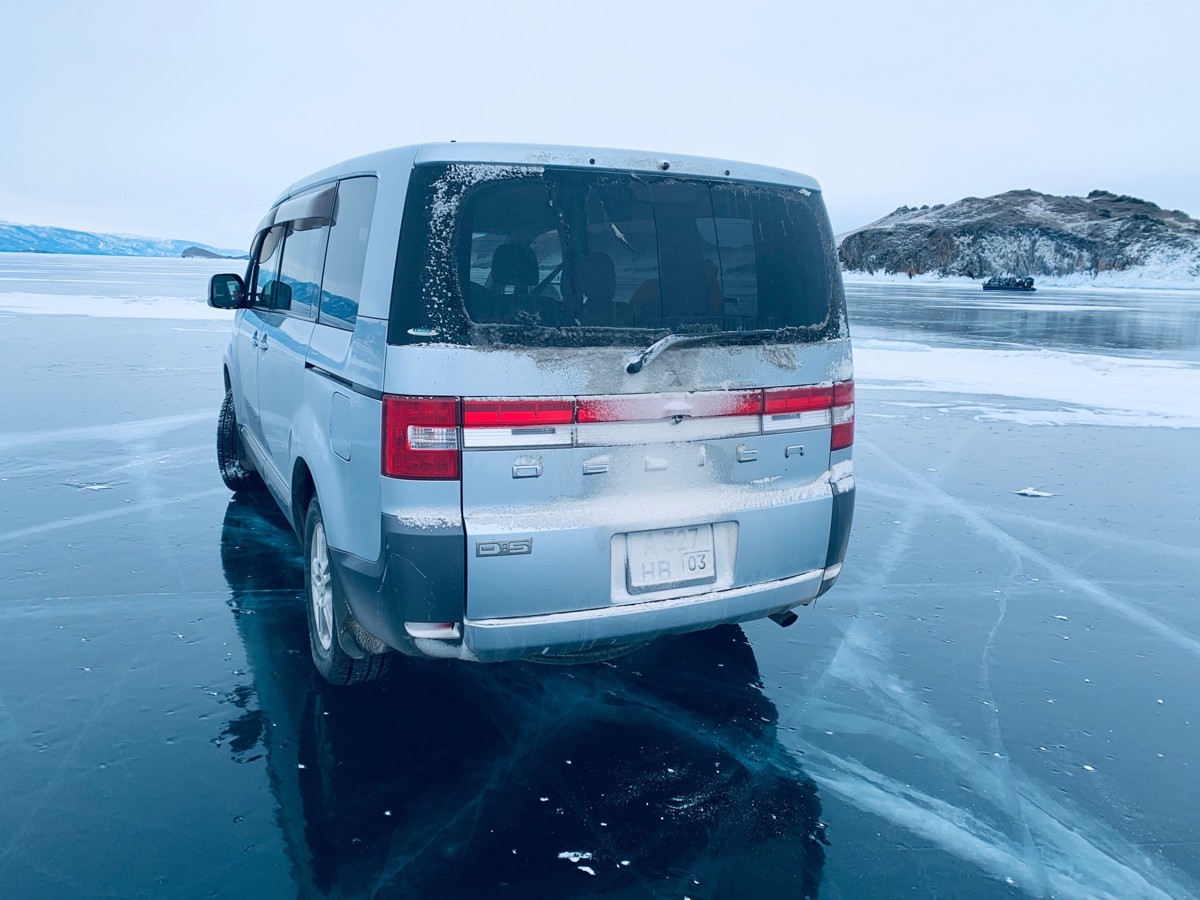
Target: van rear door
x=593, y=474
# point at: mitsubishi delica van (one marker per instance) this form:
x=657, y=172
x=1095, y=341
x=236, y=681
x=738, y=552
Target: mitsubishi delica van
x=542, y=403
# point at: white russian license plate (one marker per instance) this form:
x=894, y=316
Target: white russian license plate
x=669, y=558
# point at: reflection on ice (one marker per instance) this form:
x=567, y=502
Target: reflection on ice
x=660, y=772
x=1077, y=319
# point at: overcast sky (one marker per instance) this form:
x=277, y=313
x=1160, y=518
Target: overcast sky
x=185, y=121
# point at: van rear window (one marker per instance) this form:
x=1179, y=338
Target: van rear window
x=568, y=257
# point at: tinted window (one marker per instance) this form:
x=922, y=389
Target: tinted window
x=264, y=289
x=515, y=254
x=566, y=256
x=347, y=253
x=300, y=273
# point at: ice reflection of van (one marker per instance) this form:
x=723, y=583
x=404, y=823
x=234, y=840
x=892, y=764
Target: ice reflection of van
x=543, y=402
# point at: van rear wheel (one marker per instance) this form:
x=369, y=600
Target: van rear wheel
x=236, y=472
x=327, y=612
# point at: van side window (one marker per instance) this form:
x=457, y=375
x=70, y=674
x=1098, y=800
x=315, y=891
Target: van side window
x=265, y=278
x=347, y=253
x=300, y=272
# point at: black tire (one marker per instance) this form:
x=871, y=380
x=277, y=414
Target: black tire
x=236, y=471
x=327, y=613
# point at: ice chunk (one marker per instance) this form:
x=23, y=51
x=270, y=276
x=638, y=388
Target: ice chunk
x=574, y=855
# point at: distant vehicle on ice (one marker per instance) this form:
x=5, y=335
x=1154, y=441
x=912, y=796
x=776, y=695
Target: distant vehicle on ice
x=1008, y=283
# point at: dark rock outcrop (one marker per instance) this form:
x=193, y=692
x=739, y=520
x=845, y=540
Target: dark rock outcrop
x=1026, y=233
x=201, y=253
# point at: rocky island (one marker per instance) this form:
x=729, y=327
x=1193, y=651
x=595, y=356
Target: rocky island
x=1027, y=233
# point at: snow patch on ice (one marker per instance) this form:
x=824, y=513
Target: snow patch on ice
x=110, y=307
x=1095, y=389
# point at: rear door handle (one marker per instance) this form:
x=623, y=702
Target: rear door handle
x=262, y=341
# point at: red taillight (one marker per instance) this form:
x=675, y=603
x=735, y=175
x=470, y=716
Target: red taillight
x=801, y=408
x=423, y=437
x=777, y=401
x=420, y=437
x=843, y=416
x=517, y=413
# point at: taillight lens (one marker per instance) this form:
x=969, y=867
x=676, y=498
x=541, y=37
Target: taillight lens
x=517, y=413
x=780, y=401
x=420, y=437
x=504, y=422
x=800, y=408
x=843, y=416
x=794, y=409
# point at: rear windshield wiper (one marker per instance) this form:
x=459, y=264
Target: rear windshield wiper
x=638, y=362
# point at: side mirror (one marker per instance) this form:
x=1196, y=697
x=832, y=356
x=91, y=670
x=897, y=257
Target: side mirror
x=226, y=291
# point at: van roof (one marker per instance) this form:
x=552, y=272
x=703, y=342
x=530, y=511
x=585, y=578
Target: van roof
x=397, y=161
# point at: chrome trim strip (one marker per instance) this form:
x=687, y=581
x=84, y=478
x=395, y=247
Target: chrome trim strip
x=345, y=382
x=488, y=438
x=799, y=421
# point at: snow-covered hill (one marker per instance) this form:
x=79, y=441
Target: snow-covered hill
x=47, y=239
x=1028, y=233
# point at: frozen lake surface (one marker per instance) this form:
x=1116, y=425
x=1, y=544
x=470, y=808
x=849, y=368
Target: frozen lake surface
x=998, y=698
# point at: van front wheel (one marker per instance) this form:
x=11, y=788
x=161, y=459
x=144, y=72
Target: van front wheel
x=327, y=611
x=231, y=455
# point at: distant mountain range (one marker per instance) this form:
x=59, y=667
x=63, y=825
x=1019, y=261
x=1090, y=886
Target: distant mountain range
x=47, y=239
x=1028, y=233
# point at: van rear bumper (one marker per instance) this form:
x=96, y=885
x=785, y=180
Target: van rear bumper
x=489, y=640
x=420, y=578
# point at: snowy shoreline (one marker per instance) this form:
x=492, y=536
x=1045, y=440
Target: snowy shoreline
x=101, y=307
x=1105, y=281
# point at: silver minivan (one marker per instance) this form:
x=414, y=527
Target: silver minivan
x=534, y=402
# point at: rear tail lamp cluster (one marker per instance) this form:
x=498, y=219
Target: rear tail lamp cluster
x=791, y=409
x=423, y=436
x=420, y=437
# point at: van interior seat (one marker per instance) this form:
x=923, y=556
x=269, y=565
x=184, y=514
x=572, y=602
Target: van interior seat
x=514, y=273
x=595, y=285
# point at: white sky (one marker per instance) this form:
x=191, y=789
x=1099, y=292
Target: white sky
x=185, y=121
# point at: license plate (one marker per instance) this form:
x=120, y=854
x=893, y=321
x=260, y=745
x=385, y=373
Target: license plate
x=669, y=558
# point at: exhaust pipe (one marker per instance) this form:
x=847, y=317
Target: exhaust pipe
x=783, y=619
